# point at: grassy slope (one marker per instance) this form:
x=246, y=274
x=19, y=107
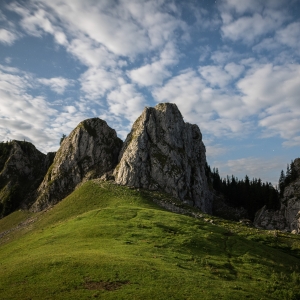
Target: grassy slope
x=112, y=242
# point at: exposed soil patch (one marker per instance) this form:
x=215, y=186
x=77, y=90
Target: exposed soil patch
x=104, y=285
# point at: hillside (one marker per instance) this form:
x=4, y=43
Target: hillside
x=113, y=242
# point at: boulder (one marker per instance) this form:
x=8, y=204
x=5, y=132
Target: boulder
x=90, y=151
x=162, y=152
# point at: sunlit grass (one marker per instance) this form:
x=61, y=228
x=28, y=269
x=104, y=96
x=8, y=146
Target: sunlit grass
x=113, y=242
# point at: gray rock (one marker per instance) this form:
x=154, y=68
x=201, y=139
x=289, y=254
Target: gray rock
x=90, y=151
x=162, y=152
x=287, y=217
x=22, y=168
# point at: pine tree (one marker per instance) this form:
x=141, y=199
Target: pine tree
x=281, y=183
x=294, y=174
x=62, y=138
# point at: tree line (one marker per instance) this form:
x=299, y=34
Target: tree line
x=250, y=194
x=286, y=178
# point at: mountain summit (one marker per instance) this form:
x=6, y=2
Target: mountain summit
x=90, y=151
x=162, y=152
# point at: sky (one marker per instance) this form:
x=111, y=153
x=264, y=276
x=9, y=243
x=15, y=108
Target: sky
x=231, y=66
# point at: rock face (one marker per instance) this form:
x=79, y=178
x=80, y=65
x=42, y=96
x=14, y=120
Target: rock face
x=90, y=151
x=22, y=168
x=288, y=217
x=162, y=152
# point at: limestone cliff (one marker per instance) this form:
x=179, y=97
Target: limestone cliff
x=90, y=151
x=22, y=168
x=288, y=217
x=162, y=152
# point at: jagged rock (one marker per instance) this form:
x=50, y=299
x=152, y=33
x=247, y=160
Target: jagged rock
x=162, y=152
x=287, y=217
x=22, y=168
x=90, y=151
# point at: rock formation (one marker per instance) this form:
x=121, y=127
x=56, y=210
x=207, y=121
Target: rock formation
x=162, y=152
x=22, y=168
x=90, y=151
x=288, y=217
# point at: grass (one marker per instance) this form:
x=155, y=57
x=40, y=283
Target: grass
x=110, y=242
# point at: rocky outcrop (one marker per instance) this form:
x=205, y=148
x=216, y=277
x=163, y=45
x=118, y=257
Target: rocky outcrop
x=162, y=152
x=90, y=151
x=288, y=217
x=22, y=168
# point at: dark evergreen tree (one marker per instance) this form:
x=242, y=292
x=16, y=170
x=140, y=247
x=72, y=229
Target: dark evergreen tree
x=281, y=183
x=62, y=138
x=293, y=171
x=252, y=195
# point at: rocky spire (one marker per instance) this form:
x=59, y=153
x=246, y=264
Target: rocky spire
x=163, y=152
x=90, y=151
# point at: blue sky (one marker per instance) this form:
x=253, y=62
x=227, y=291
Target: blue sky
x=231, y=66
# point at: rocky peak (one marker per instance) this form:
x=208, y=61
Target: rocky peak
x=22, y=168
x=162, y=152
x=90, y=151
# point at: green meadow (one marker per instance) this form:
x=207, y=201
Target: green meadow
x=106, y=241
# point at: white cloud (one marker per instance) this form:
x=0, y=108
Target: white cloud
x=57, y=84
x=273, y=93
x=151, y=74
x=241, y=7
x=184, y=90
x=126, y=102
x=266, y=85
x=7, y=37
x=95, y=82
x=156, y=72
x=125, y=29
x=215, y=112
x=23, y=116
x=224, y=56
x=295, y=141
x=290, y=35
x=254, y=167
x=215, y=75
x=268, y=44
x=37, y=22
x=8, y=60
x=106, y=35
x=247, y=29
x=248, y=20
x=213, y=151
x=234, y=69
x=90, y=53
